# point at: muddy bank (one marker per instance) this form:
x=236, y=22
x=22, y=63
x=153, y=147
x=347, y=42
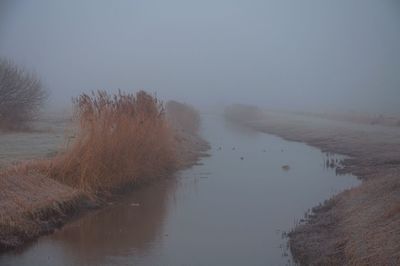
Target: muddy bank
x=33, y=205
x=359, y=226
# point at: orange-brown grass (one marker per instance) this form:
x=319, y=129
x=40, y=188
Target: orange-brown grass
x=122, y=139
x=32, y=204
x=118, y=140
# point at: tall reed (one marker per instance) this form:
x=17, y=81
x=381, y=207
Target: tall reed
x=122, y=139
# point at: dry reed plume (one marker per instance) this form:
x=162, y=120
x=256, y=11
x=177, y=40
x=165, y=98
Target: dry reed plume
x=122, y=139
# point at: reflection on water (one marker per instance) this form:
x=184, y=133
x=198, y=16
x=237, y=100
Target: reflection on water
x=119, y=229
x=231, y=210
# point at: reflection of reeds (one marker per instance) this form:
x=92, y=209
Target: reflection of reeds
x=121, y=139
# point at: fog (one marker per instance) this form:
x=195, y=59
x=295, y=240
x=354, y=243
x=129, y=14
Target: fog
x=299, y=55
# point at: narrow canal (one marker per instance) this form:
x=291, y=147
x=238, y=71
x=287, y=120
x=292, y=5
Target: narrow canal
x=231, y=209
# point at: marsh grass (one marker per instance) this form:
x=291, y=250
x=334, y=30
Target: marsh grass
x=121, y=139
x=183, y=116
x=32, y=204
x=115, y=142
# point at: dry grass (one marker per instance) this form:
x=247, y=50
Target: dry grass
x=183, y=116
x=32, y=204
x=185, y=121
x=360, y=226
x=122, y=139
x=119, y=140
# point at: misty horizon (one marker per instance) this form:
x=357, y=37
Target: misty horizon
x=309, y=55
x=263, y=132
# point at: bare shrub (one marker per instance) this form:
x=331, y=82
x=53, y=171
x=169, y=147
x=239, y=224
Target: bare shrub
x=21, y=96
x=122, y=139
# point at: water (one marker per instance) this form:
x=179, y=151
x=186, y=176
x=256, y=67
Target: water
x=231, y=210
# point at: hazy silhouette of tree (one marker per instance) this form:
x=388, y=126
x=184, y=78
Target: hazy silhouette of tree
x=21, y=96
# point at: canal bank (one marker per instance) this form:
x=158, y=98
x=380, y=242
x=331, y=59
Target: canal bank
x=35, y=203
x=358, y=226
x=232, y=208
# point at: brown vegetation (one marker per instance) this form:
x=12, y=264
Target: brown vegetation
x=32, y=204
x=120, y=140
x=21, y=96
x=185, y=121
x=183, y=115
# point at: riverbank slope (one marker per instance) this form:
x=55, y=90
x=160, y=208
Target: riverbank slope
x=360, y=226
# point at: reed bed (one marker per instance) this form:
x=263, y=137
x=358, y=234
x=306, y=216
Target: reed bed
x=183, y=116
x=116, y=141
x=121, y=139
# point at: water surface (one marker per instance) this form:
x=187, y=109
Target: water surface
x=230, y=210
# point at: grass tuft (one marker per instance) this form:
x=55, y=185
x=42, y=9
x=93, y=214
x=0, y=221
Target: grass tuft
x=122, y=139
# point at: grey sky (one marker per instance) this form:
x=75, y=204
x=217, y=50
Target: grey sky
x=288, y=54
